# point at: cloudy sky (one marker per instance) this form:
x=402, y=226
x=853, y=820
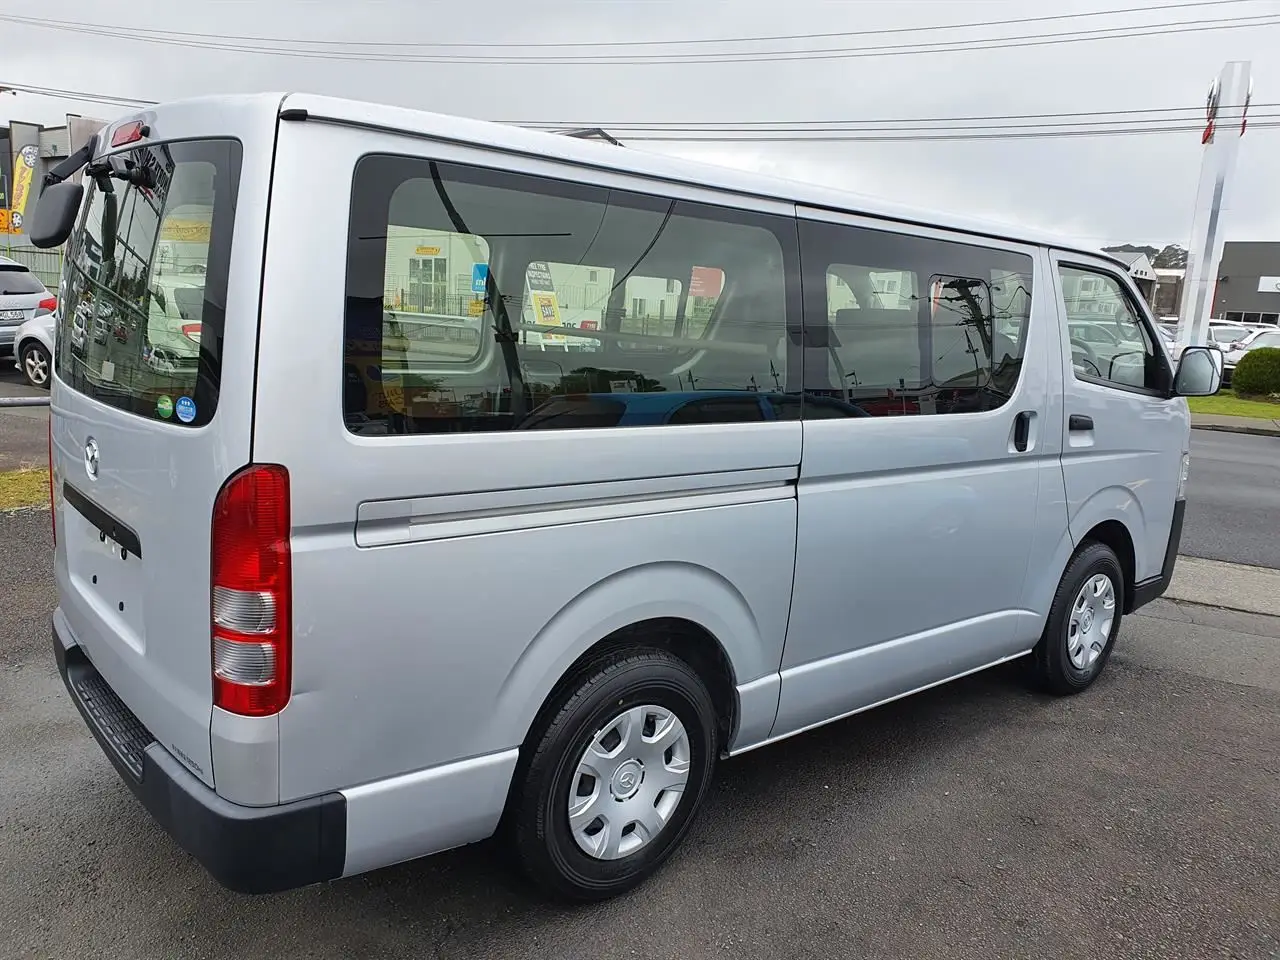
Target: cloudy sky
x=1100, y=190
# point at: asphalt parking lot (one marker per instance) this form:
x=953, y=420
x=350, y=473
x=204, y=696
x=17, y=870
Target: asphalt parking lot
x=1141, y=819
x=23, y=431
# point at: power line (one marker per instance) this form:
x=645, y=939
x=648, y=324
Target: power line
x=846, y=53
x=943, y=128
x=1197, y=110
x=1137, y=115
x=1225, y=116
x=83, y=96
x=918, y=137
x=149, y=33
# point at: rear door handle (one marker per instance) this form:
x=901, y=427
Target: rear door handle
x=1078, y=422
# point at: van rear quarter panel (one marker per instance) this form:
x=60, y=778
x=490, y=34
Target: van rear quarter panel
x=441, y=642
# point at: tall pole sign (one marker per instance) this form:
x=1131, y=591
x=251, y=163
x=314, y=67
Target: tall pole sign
x=1226, y=116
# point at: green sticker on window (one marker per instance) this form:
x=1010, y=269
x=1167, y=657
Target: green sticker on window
x=164, y=408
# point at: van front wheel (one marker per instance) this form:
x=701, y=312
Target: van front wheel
x=615, y=776
x=1083, y=621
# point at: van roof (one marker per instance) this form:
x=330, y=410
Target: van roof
x=601, y=155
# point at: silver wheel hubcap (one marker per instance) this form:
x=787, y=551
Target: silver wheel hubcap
x=1092, y=616
x=629, y=782
x=37, y=367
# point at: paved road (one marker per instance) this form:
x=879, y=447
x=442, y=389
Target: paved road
x=974, y=821
x=23, y=432
x=1233, y=505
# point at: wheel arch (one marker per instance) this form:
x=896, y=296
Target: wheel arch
x=689, y=610
x=1115, y=535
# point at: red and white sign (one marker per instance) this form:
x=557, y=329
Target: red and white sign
x=706, y=282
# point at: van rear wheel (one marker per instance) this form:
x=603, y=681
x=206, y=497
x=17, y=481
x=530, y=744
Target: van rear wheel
x=615, y=775
x=1084, y=621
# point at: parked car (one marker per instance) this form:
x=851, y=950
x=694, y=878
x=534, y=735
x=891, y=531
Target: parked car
x=1268, y=337
x=33, y=349
x=22, y=296
x=1225, y=334
x=704, y=548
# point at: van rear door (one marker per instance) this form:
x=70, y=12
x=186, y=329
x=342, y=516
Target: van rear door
x=152, y=400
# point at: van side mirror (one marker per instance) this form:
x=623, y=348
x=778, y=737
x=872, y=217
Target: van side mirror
x=55, y=214
x=1198, y=374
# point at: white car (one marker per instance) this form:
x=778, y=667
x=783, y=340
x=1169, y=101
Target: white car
x=1268, y=337
x=33, y=349
x=22, y=296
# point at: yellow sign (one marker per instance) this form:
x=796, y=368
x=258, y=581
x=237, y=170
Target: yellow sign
x=546, y=305
x=427, y=251
x=4, y=222
x=475, y=308
x=188, y=231
x=24, y=167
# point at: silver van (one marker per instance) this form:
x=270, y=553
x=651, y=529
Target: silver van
x=386, y=562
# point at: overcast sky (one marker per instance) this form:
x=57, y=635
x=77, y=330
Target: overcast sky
x=1100, y=190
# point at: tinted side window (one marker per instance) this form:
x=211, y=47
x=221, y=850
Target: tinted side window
x=1109, y=341
x=897, y=324
x=481, y=300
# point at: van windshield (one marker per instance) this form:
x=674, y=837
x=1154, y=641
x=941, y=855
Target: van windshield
x=143, y=309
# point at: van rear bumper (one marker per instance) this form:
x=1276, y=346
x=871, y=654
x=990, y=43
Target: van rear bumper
x=246, y=849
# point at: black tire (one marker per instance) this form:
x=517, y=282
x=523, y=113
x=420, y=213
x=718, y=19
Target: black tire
x=538, y=819
x=37, y=351
x=1053, y=666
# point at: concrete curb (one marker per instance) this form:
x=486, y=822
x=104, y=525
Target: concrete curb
x=1231, y=586
x=1232, y=428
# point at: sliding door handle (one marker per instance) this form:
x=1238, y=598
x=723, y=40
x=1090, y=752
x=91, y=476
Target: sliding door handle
x=1079, y=422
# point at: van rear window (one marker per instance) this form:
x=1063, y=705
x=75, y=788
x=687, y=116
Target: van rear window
x=143, y=311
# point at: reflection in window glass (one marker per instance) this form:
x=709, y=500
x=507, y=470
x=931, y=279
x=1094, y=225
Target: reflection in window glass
x=598, y=307
x=1109, y=341
x=430, y=321
x=142, y=321
x=913, y=325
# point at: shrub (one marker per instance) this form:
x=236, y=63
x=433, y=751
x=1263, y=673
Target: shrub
x=1258, y=373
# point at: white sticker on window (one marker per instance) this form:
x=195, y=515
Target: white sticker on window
x=108, y=370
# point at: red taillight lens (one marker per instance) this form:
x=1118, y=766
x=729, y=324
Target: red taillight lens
x=251, y=568
x=191, y=331
x=53, y=506
x=128, y=133
x=47, y=305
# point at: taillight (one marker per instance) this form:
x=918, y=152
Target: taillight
x=250, y=579
x=47, y=305
x=53, y=507
x=191, y=331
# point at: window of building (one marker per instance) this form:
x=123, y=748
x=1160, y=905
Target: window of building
x=902, y=325
x=597, y=300
x=1110, y=342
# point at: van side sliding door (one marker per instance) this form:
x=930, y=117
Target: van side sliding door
x=919, y=516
